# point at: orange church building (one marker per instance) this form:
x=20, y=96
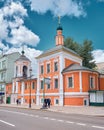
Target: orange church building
x=69, y=83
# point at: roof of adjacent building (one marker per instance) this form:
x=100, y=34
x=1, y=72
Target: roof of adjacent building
x=8, y=54
x=57, y=49
x=76, y=67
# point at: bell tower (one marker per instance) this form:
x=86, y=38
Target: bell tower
x=22, y=66
x=59, y=37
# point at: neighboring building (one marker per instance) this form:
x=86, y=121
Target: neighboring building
x=6, y=72
x=100, y=67
x=23, y=82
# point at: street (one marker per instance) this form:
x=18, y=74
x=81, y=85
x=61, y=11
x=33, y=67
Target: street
x=27, y=119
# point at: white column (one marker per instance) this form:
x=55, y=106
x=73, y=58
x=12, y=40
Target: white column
x=16, y=87
x=61, y=92
x=13, y=87
x=22, y=93
x=80, y=80
x=37, y=92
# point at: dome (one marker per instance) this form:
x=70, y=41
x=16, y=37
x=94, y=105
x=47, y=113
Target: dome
x=59, y=28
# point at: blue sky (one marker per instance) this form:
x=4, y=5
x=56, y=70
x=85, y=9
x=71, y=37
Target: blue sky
x=33, y=23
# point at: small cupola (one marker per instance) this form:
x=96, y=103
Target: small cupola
x=59, y=37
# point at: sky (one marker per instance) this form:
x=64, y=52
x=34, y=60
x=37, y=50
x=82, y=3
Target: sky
x=33, y=23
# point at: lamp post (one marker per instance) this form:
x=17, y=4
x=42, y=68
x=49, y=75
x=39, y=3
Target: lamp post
x=30, y=88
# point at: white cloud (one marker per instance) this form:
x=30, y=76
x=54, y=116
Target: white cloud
x=16, y=23
x=23, y=35
x=14, y=8
x=13, y=30
x=58, y=7
x=98, y=55
x=3, y=27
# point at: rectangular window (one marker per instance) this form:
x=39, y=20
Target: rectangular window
x=33, y=100
x=56, y=83
x=48, y=68
x=33, y=85
x=41, y=69
x=4, y=64
x=42, y=84
x=70, y=82
x=3, y=76
x=48, y=86
x=55, y=66
x=56, y=101
x=25, y=86
x=2, y=88
x=91, y=82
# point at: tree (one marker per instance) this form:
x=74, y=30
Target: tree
x=84, y=50
x=86, y=53
x=71, y=44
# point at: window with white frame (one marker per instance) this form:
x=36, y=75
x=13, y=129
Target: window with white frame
x=70, y=82
x=33, y=85
x=56, y=66
x=56, y=83
x=25, y=86
x=41, y=84
x=48, y=86
x=33, y=100
x=56, y=101
x=48, y=68
x=92, y=82
x=2, y=75
x=41, y=69
x=4, y=64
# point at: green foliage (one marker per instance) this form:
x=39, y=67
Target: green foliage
x=84, y=50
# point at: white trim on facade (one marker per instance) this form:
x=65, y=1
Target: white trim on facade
x=73, y=58
x=76, y=93
x=38, y=86
x=61, y=90
x=80, y=80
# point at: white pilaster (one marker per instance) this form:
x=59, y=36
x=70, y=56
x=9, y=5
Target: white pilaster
x=37, y=92
x=61, y=81
x=22, y=93
x=16, y=87
x=80, y=80
x=13, y=87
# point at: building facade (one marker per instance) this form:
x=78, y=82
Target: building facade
x=6, y=72
x=69, y=83
x=23, y=84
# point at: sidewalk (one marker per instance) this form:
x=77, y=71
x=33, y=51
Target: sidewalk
x=83, y=110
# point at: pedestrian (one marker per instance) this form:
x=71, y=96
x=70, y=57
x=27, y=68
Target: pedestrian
x=17, y=101
x=49, y=102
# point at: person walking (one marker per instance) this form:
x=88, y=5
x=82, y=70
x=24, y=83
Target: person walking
x=17, y=101
x=49, y=102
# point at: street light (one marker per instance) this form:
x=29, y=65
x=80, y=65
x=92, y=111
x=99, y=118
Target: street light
x=30, y=70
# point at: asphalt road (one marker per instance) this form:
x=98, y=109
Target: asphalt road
x=26, y=119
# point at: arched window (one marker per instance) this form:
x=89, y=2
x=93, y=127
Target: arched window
x=25, y=71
